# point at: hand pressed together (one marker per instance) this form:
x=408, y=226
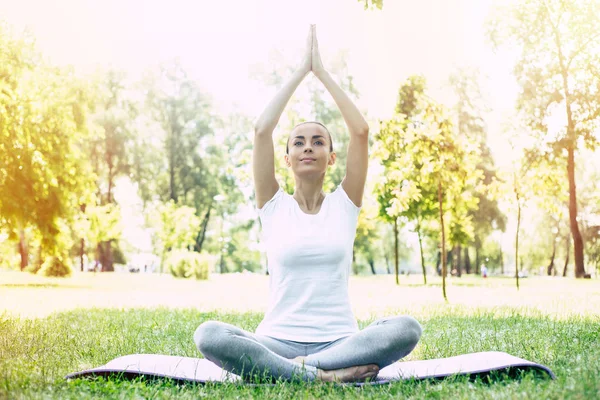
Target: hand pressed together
x=311, y=61
x=317, y=65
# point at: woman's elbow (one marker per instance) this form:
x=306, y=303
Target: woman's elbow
x=260, y=131
x=361, y=131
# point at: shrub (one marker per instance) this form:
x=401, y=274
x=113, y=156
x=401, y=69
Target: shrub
x=185, y=264
x=56, y=266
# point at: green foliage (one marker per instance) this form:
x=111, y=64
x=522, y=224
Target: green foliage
x=557, y=40
x=174, y=228
x=112, y=124
x=367, y=236
x=118, y=255
x=372, y=4
x=195, y=167
x=186, y=264
x=45, y=173
x=470, y=124
x=491, y=254
x=424, y=161
x=238, y=252
x=59, y=266
x=558, y=43
x=101, y=223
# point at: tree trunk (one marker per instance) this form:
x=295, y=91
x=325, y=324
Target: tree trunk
x=444, y=266
x=571, y=144
x=23, y=249
x=172, y=141
x=517, y=241
x=106, y=257
x=110, y=182
x=202, y=234
x=458, y=261
x=81, y=253
x=564, y=274
x=551, y=264
x=396, y=249
x=477, y=259
x=501, y=259
x=387, y=262
x=422, y=255
x=372, y=265
x=467, y=261
x=577, y=238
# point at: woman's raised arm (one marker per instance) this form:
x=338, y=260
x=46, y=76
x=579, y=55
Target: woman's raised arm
x=265, y=183
x=358, y=148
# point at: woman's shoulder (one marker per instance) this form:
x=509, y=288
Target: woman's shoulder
x=279, y=199
x=340, y=195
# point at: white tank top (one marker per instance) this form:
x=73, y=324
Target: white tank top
x=309, y=259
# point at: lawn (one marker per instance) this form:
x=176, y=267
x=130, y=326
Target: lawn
x=51, y=327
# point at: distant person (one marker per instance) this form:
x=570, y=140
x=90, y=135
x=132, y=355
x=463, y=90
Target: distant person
x=484, y=271
x=309, y=329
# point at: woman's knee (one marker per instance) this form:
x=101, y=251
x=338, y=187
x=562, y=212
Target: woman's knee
x=405, y=333
x=207, y=335
x=413, y=329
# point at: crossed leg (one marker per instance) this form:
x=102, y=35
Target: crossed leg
x=381, y=343
x=242, y=353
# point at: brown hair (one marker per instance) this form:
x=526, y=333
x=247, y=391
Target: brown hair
x=287, y=149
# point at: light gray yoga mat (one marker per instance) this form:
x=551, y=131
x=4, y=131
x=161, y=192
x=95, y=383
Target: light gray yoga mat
x=202, y=371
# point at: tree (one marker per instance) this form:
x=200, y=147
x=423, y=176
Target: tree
x=175, y=227
x=110, y=147
x=395, y=192
x=45, y=173
x=469, y=109
x=367, y=235
x=453, y=160
x=428, y=167
x=101, y=225
x=559, y=44
x=191, y=171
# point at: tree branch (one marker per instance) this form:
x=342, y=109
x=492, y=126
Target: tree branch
x=580, y=49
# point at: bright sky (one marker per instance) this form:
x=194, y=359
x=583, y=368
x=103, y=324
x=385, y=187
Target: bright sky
x=219, y=42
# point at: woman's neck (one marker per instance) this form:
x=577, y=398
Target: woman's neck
x=309, y=195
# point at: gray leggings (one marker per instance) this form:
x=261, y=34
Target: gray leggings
x=383, y=342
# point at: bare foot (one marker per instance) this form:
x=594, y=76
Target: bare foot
x=357, y=373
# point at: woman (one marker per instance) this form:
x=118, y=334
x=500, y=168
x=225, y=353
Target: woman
x=309, y=330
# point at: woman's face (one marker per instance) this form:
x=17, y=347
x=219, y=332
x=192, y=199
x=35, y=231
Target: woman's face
x=309, y=154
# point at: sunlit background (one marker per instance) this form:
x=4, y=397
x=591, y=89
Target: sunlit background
x=230, y=47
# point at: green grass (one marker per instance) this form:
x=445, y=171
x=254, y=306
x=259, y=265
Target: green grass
x=43, y=336
x=35, y=355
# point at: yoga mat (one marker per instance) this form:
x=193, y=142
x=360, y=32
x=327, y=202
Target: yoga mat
x=202, y=370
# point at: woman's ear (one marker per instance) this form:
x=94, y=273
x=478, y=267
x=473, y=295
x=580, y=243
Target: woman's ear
x=332, y=157
x=287, y=160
